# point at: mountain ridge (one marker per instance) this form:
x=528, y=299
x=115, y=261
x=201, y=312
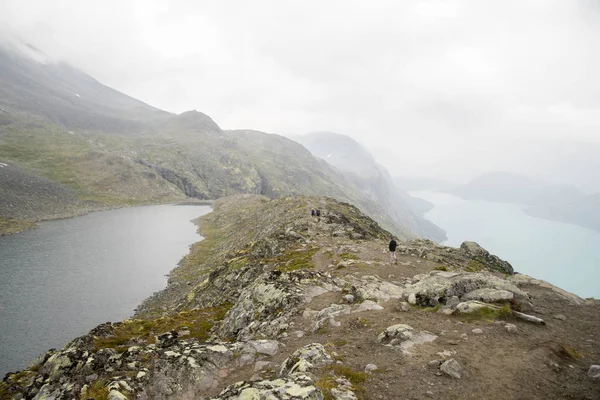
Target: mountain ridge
x=111, y=150
x=359, y=166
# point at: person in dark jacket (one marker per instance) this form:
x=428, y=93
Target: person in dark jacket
x=392, y=248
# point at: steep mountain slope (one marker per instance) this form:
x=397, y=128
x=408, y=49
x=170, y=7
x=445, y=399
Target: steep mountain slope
x=33, y=85
x=360, y=168
x=274, y=304
x=287, y=168
x=107, y=149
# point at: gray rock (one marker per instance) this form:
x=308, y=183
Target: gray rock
x=116, y=395
x=560, y=317
x=477, y=331
x=304, y=359
x=399, y=331
x=349, y=298
x=452, y=368
x=261, y=365
x=489, y=295
x=404, y=336
x=166, y=339
x=298, y=387
x=488, y=260
x=441, y=287
x=594, y=372
x=267, y=347
x=470, y=306
x=511, y=328
x=453, y=301
x=370, y=367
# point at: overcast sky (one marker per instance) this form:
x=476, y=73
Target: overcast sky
x=438, y=88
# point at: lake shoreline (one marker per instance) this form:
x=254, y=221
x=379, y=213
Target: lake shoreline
x=564, y=254
x=13, y=226
x=71, y=274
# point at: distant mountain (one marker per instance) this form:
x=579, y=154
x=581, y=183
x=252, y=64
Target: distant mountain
x=410, y=184
x=556, y=202
x=359, y=167
x=93, y=147
x=583, y=211
x=507, y=187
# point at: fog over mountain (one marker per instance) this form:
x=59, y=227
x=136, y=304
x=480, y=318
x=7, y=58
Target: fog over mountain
x=445, y=89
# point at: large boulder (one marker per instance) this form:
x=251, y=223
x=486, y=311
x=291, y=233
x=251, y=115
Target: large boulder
x=404, y=336
x=439, y=287
x=304, y=359
x=478, y=253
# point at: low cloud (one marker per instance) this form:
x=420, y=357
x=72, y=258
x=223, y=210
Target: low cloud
x=447, y=88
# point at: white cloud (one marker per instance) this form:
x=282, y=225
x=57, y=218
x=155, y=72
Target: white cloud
x=431, y=86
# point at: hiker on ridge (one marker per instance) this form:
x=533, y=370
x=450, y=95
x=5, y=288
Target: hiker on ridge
x=392, y=248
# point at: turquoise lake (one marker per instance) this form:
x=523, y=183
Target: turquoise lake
x=565, y=255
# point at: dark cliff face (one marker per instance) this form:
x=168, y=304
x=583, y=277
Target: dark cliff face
x=373, y=180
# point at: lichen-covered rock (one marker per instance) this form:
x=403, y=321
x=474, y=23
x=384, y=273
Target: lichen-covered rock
x=405, y=337
x=374, y=288
x=438, y=287
x=488, y=260
x=452, y=368
x=327, y=316
x=399, y=331
x=488, y=295
x=522, y=279
x=296, y=387
x=468, y=307
x=305, y=358
x=594, y=372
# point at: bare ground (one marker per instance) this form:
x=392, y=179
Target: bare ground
x=537, y=362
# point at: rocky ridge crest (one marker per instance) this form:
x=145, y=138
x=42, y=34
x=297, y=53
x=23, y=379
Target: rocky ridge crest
x=276, y=304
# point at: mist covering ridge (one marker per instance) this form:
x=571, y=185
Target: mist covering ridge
x=359, y=166
x=110, y=150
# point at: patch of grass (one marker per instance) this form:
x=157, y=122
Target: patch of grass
x=355, y=377
x=96, y=391
x=348, y=256
x=323, y=329
x=570, y=352
x=432, y=309
x=489, y=313
x=474, y=266
x=327, y=381
x=198, y=321
x=293, y=260
x=238, y=262
x=4, y=393
x=440, y=268
x=9, y=226
x=359, y=323
x=325, y=384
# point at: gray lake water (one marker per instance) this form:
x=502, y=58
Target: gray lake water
x=565, y=255
x=61, y=280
